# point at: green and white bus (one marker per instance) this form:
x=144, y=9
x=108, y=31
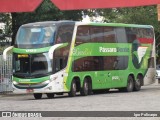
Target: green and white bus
x=57, y=57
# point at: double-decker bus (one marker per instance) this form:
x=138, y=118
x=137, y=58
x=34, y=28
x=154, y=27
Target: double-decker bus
x=57, y=57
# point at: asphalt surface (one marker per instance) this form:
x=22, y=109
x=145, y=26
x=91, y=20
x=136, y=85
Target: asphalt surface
x=147, y=99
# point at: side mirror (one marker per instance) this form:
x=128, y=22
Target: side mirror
x=6, y=51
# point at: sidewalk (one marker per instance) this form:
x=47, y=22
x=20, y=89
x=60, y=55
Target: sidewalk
x=10, y=94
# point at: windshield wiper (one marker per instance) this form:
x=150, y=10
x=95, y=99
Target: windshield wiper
x=23, y=75
x=40, y=75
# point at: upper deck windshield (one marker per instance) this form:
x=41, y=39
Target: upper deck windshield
x=35, y=36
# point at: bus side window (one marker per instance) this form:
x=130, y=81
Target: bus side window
x=60, y=58
x=109, y=35
x=58, y=64
x=83, y=35
x=96, y=34
x=90, y=63
x=64, y=34
x=121, y=35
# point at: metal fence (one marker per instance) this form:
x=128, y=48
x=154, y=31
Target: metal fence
x=5, y=74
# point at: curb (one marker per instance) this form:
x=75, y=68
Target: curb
x=13, y=94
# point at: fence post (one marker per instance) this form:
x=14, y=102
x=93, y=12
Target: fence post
x=5, y=74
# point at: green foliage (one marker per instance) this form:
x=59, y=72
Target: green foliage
x=5, y=34
x=6, y=19
x=138, y=15
x=47, y=12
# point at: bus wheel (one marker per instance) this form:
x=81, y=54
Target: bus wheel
x=137, y=83
x=130, y=84
x=85, y=89
x=50, y=95
x=73, y=90
x=37, y=95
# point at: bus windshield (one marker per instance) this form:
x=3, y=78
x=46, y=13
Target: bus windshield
x=35, y=36
x=34, y=65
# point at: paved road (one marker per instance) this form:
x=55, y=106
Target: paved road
x=147, y=99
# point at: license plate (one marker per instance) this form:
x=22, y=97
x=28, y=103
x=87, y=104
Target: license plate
x=29, y=90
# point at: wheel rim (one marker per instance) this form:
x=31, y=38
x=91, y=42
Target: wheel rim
x=138, y=82
x=74, y=87
x=86, y=86
x=130, y=84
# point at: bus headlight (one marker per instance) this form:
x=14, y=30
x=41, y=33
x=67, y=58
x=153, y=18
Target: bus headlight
x=15, y=83
x=46, y=82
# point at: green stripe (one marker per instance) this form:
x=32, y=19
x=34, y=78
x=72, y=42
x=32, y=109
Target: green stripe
x=30, y=87
x=31, y=51
x=121, y=25
x=28, y=81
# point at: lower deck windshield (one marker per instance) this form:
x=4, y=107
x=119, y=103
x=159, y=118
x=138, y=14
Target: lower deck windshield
x=32, y=65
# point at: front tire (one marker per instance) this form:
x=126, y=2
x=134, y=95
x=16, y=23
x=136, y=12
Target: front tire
x=73, y=90
x=50, y=95
x=37, y=95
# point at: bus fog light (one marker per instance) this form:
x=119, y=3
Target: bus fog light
x=53, y=78
x=50, y=87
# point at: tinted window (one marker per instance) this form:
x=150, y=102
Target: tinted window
x=109, y=35
x=64, y=34
x=96, y=34
x=115, y=62
x=100, y=63
x=87, y=64
x=60, y=58
x=121, y=35
x=143, y=34
x=83, y=34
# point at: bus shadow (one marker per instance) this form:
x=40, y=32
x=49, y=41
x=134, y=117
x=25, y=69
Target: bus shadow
x=111, y=91
x=65, y=95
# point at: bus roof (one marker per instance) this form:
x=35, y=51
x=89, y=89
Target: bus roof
x=87, y=23
x=114, y=24
x=48, y=23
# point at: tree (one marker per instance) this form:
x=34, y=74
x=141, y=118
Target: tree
x=45, y=12
x=5, y=33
